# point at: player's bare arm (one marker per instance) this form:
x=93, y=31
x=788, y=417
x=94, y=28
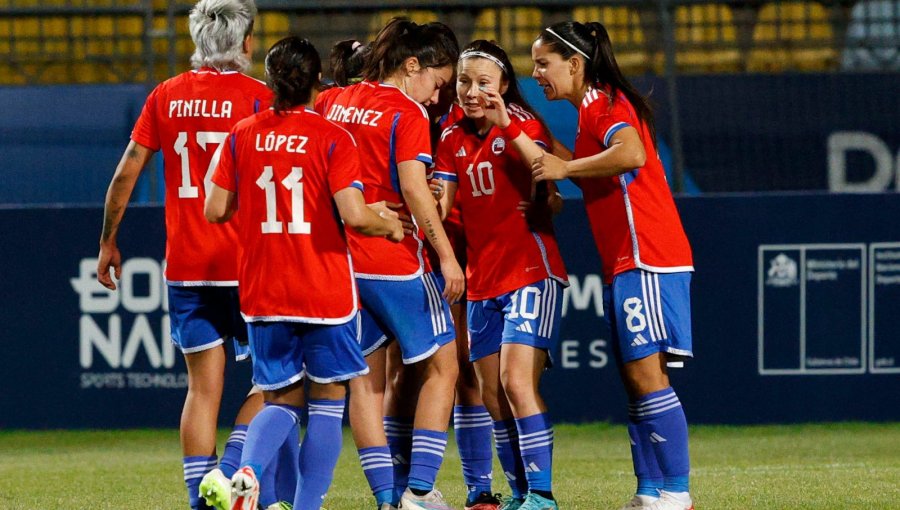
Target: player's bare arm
x=418, y=197
x=371, y=220
x=625, y=153
x=447, y=199
x=219, y=205
x=397, y=211
x=129, y=169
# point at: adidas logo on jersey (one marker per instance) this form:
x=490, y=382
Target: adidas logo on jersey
x=639, y=340
x=525, y=327
x=461, y=153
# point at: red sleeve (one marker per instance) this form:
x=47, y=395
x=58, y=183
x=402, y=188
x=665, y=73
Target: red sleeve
x=145, y=130
x=444, y=167
x=225, y=175
x=412, y=138
x=536, y=131
x=344, y=170
x=607, y=121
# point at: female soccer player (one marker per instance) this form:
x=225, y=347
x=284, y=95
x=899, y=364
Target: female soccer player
x=408, y=65
x=515, y=274
x=188, y=117
x=290, y=168
x=647, y=261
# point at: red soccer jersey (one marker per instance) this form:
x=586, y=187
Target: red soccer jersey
x=389, y=128
x=188, y=117
x=632, y=215
x=285, y=169
x=326, y=98
x=504, y=252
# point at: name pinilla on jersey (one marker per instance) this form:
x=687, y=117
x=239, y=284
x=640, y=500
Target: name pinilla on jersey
x=180, y=108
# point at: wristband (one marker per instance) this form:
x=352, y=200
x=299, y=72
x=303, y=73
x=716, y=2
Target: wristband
x=512, y=131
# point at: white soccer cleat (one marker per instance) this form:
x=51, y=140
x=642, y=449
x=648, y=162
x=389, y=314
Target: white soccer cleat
x=434, y=500
x=244, y=489
x=215, y=489
x=639, y=502
x=387, y=506
x=672, y=501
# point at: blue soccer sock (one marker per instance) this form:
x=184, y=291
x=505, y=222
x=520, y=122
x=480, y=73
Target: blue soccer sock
x=399, y=438
x=319, y=452
x=379, y=470
x=231, y=457
x=427, y=455
x=646, y=469
x=268, y=430
x=472, y=426
x=506, y=438
x=287, y=469
x=195, y=468
x=278, y=481
x=536, y=444
x=662, y=420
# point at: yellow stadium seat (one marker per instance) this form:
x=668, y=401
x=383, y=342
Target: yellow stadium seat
x=792, y=35
x=514, y=29
x=624, y=27
x=706, y=38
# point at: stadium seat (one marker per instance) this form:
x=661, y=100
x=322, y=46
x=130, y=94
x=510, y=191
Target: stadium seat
x=706, y=38
x=512, y=28
x=625, y=32
x=270, y=28
x=792, y=36
x=873, y=37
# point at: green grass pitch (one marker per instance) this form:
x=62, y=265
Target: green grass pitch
x=827, y=466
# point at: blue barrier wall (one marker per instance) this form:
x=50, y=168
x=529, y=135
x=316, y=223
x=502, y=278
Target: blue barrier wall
x=795, y=299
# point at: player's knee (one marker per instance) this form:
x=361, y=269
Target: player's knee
x=517, y=385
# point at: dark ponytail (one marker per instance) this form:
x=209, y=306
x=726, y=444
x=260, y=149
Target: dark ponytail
x=433, y=44
x=600, y=67
x=513, y=94
x=292, y=71
x=347, y=60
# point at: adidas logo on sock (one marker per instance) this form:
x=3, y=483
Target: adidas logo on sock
x=656, y=438
x=525, y=327
x=532, y=468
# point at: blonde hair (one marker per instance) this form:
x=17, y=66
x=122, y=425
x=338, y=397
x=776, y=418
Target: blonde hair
x=218, y=28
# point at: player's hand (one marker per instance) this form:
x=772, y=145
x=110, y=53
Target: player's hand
x=494, y=108
x=548, y=167
x=454, y=280
x=396, y=227
x=437, y=189
x=409, y=228
x=109, y=258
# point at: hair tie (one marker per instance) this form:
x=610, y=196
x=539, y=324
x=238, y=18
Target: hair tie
x=567, y=43
x=356, y=44
x=481, y=54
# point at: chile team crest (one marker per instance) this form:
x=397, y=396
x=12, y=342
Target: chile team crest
x=498, y=145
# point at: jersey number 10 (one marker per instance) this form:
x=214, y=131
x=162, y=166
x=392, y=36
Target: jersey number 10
x=291, y=182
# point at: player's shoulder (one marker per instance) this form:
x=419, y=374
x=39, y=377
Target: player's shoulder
x=326, y=129
x=452, y=132
x=519, y=113
x=597, y=100
x=248, y=123
x=402, y=102
x=251, y=85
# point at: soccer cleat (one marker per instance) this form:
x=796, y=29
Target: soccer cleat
x=244, y=489
x=215, y=489
x=537, y=502
x=281, y=505
x=434, y=500
x=511, y=503
x=387, y=506
x=639, y=502
x=671, y=501
x=484, y=501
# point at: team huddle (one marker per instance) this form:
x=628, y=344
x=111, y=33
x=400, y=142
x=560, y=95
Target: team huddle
x=386, y=243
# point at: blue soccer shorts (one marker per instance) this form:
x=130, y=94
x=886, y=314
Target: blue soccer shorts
x=412, y=311
x=284, y=352
x=372, y=334
x=204, y=317
x=649, y=313
x=530, y=315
